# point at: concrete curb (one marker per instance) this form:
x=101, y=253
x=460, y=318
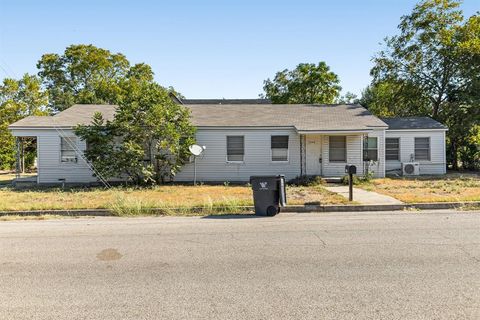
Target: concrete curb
x=379, y=207
x=75, y=212
x=291, y=208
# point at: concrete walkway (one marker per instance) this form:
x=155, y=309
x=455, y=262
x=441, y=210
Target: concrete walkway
x=363, y=196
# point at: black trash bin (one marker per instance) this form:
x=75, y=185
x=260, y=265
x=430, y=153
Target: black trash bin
x=269, y=194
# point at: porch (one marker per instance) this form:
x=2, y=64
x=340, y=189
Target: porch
x=326, y=154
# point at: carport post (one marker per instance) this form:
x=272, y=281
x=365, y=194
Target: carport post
x=17, y=158
x=22, y=144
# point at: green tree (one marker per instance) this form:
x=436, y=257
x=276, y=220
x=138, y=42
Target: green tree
x=18, y=99
x=307, y=83
x=148, y=139
x=87, y=74
x=348, y=98
x=391, y=98
x=431, y=68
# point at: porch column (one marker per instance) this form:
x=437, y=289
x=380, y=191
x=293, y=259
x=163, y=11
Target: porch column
x=303, y=155
x=17, y=157
x=22, y=145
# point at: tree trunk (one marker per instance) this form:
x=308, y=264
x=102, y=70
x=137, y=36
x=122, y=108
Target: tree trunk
x=454, y=154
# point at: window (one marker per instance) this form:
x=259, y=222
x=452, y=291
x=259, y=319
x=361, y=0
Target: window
x=235, y=148
x=338, y=148
x=422, y=149
x=392, y=149
x=67, y=149
x=370, y=149
x=279, y=145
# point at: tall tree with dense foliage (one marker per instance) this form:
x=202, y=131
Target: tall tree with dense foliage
x=18, y=99
x=307, y=83
x=147, y=141
x=431, y=67
x=86, y=74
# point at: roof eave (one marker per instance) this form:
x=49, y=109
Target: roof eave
x=419, y=129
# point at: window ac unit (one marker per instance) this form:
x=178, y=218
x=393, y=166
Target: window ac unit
x=410, y=168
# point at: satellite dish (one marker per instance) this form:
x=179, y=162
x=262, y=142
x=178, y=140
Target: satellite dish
x=195, y=149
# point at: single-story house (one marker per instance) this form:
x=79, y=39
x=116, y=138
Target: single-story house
x=252, y=137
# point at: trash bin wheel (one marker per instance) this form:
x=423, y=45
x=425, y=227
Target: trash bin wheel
x=271, y=211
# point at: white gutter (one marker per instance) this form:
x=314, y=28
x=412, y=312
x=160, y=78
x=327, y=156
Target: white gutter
x=334, y=131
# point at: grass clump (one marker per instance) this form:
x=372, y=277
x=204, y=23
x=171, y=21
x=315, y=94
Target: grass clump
x=125, y=205
x=307, y=181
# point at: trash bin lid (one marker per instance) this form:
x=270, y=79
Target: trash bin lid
x=264, y=183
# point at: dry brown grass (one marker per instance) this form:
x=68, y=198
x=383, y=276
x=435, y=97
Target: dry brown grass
x=168, y=196
x=455, y=187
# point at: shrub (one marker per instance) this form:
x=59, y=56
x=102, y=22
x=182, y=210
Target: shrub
x=356, y=180
x=307, y=181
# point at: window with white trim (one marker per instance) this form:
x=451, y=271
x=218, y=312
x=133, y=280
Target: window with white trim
x=235, y=148
x=392, y=149
x=279, y=145
x=67, y=149
x=422, y=149
x=337, y=148
x=370, y=149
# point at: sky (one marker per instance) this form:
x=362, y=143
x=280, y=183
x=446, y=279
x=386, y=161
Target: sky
x=209, y=48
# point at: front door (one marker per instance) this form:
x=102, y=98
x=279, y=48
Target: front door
x=314, y=155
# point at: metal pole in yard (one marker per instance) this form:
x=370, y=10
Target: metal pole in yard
x=194, y=170
x=350, y=187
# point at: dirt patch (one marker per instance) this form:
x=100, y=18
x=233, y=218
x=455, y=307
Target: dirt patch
x=109, y=254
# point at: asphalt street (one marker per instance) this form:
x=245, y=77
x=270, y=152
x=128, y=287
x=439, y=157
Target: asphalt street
x=398, y=265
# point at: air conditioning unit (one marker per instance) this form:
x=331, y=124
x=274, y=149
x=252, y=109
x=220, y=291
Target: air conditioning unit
x=410, y=168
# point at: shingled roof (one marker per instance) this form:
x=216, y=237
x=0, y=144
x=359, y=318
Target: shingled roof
x=225, y=101
x=406, y=123
x=71, y=117
x=304, y=117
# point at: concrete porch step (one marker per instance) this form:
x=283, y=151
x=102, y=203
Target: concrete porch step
x=333, y=179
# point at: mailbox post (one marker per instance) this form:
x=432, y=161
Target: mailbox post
x=351, y=170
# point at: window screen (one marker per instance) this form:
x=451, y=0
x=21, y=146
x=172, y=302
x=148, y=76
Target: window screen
x=279, y=145
x=422, y=149
x=235, y=148
x=392, y=149
x=67, y=149
x=370, y=149
x=338, y=148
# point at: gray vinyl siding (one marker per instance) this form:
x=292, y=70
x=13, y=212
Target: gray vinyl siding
x=378, y=167
x=437, y=163
x=50, y=168
x=212, y=165
x=354, y=157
